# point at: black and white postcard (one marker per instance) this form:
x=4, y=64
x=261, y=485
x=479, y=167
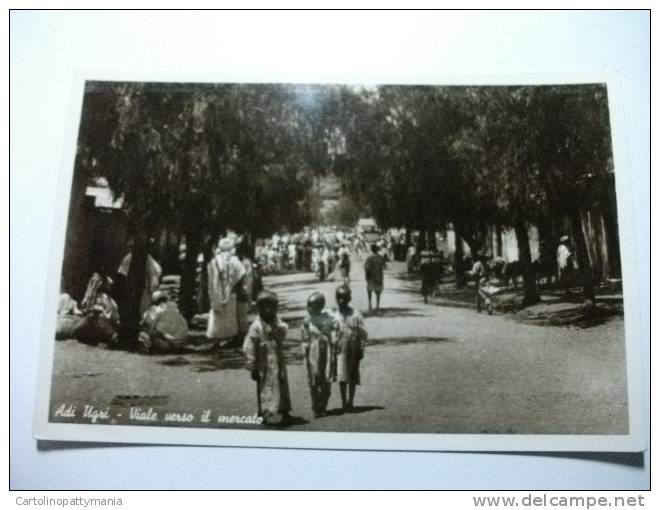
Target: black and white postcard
x=426, y=266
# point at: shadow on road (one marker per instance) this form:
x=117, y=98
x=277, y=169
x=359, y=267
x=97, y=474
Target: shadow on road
x=407, y=340
x=139, y=400
x=225, y=358
x=338, y=411
x=388, y=312
x=295, y=283
x=364, y=409
x=556, y=308
x=580, y=317
x=290, y=422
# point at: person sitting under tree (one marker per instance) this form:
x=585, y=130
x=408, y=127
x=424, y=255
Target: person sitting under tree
x=162, y=329
x=100, y=323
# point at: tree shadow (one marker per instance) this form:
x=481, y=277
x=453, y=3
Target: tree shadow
x=407, y=277
x=139, y=400
x=408, y=340
x=301, y=283
x=227, y=357
x=447, y=296
x=363, y=409
x=339, y=411
x=389, y=312
x=581, y=317
x=404, y=290
x=178, y=361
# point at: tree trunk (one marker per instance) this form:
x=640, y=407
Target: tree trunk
x=75, y=268
x=459, y=270
x=130, y=319
x=585, y=271
x=602, y=246
x=612, y=227
x=546, y=239
x=531, y=293
x=612, y=236
x=421, y=241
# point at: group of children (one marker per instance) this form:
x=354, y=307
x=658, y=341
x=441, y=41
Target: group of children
x=333, y=344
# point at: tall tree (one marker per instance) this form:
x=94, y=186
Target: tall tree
x=203, y=159
x=576, y=171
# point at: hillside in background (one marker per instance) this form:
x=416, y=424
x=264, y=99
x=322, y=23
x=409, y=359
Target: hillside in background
x=335, y=208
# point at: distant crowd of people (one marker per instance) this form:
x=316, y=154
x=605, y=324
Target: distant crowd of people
x=314, y=251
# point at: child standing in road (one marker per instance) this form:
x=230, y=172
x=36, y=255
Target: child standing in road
x=317, y=335
x=350, y=344
x=263, y=348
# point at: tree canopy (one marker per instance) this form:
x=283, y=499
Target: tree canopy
x=203, y=158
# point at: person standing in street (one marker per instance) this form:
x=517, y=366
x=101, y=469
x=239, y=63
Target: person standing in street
x=330, y=258
x=225, y=271
x=344, y=255
x=565, y=264
x=351, y=339
x=373, y=270
x=264, y=351
x=317, y=335
x=358, y=246
x=307, y=256
x=479, y=273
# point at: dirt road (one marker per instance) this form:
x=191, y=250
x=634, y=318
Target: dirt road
x=428, y=368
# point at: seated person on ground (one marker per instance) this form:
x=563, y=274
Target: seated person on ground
x=68, y=316
x=163, y=328
x=101, y=316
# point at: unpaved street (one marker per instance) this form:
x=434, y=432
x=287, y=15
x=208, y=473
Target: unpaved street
x=427, y=368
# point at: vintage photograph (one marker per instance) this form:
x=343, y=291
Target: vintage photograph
x=342, y=258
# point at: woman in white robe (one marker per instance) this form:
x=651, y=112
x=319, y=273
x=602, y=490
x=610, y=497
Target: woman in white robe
x=224, y=272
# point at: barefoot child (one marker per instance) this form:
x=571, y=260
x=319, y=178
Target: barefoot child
x=351, y=341
x=317, y=335
x=263, y=348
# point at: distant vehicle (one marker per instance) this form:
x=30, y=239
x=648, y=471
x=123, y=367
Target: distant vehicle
x=369, y=230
